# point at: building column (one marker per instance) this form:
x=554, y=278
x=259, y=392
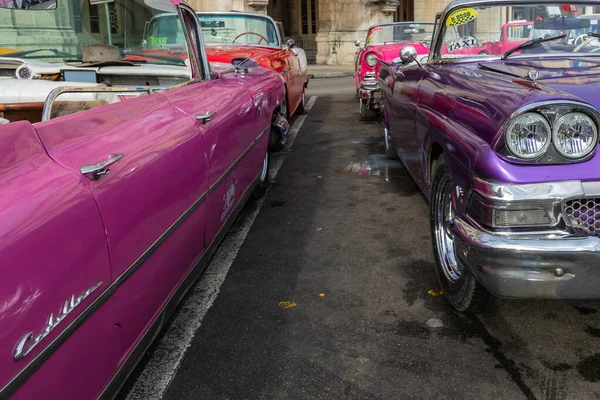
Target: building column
x=342, y=22
x=258, y=6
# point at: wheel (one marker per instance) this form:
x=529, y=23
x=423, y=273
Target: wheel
x=389, y=150
x=365, y=112
x=276, y=140
x=460, y=287
x=263, y=182
x=300, y=109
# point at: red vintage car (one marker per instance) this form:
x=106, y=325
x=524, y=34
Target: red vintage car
x=513, y=34
x=228, y=39
x=383, y=43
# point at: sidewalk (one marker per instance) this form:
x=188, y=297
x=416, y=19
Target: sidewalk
x=319, y=71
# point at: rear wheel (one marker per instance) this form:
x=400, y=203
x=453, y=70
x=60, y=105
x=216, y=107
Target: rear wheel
x=460, y=287
x=263, y=180
x=365, y=111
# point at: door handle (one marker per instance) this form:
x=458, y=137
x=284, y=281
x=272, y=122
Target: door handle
x=207, y=116
x=94, y=171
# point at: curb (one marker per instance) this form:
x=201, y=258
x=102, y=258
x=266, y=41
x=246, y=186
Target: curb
x=324, y=75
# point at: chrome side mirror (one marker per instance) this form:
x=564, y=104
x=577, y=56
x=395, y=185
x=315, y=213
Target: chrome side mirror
x=291, y=43
x=357, y=43
x=408, y=54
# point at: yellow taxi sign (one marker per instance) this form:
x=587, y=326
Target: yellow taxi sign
x=461, y=16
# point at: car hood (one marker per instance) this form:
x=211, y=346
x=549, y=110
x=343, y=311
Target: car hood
x=389, y=52
x=231, y=51
x=483, y=95
x=577, y=78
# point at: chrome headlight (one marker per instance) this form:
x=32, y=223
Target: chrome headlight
x=575, y=135
x=528, y=136
x=371, y=59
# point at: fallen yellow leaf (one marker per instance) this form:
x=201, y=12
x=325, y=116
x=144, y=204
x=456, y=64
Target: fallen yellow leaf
x=321, y=294
x=287, y=304
x=435, y=293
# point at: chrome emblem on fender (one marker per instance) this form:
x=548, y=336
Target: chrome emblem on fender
x=533, y=74
x=28, y=342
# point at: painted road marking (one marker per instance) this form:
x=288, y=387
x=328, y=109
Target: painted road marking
x=160, y=370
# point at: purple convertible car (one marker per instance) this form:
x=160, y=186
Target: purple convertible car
x=118, y=180
x=505, y=148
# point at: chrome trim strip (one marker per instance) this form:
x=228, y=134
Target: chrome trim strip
x=11, y=387
x=124, y=371
x=249, y=14
x=214, y=186
x=285, y=71
x=529, y=191
x=47, y=111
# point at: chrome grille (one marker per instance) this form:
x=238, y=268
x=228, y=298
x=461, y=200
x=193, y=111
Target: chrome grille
x=584, y=214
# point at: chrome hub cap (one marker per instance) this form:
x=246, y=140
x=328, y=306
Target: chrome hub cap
x=444, y=235
x=265, y=169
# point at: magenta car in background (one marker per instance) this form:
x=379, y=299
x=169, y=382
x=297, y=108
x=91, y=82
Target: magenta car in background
x=384, y=43
x=505, y=147
x=513, y=34
x=112, y=206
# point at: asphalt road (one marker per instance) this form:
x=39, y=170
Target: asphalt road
x=331, y=295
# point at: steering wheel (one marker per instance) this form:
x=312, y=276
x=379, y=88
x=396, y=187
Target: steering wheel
x=584, y=42
x=579, y=39
x=252, y=33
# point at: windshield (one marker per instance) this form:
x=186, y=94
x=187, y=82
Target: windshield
x=64, y=34
x=494, y=30
x=165, y=30
x=409, y=32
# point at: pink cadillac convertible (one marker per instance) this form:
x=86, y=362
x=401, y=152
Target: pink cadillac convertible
x=112, y=204
x=384, y=43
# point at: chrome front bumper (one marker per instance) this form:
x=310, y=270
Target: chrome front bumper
x=530, y=266
x=370, y=93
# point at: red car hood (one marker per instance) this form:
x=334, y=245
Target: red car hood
x=389, y=52
x=215, y=53
x=225, y=53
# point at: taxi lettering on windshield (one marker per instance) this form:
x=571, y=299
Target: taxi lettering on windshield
x=156, y=41
x=461, y=17
x=462, y=43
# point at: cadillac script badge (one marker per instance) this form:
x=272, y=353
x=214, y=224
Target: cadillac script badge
x=28, y=342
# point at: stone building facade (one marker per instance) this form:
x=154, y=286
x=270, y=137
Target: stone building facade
x=327, y=29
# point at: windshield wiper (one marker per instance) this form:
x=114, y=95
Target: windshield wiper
x=57, y=53
x=175, y=60
x=531, y=43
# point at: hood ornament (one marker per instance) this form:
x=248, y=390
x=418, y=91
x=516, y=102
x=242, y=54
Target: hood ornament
x=531, y=80
x=533, y=75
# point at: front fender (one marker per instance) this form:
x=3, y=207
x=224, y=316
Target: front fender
x=461, y=148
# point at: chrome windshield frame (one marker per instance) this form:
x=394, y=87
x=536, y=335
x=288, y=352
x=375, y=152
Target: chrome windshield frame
x=247, y=14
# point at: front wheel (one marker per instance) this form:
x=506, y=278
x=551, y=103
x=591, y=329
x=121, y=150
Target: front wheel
x=263, y=180
x=459, y=286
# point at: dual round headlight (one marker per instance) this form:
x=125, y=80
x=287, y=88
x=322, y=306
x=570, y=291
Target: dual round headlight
x=574, y=135
x=371, y=59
